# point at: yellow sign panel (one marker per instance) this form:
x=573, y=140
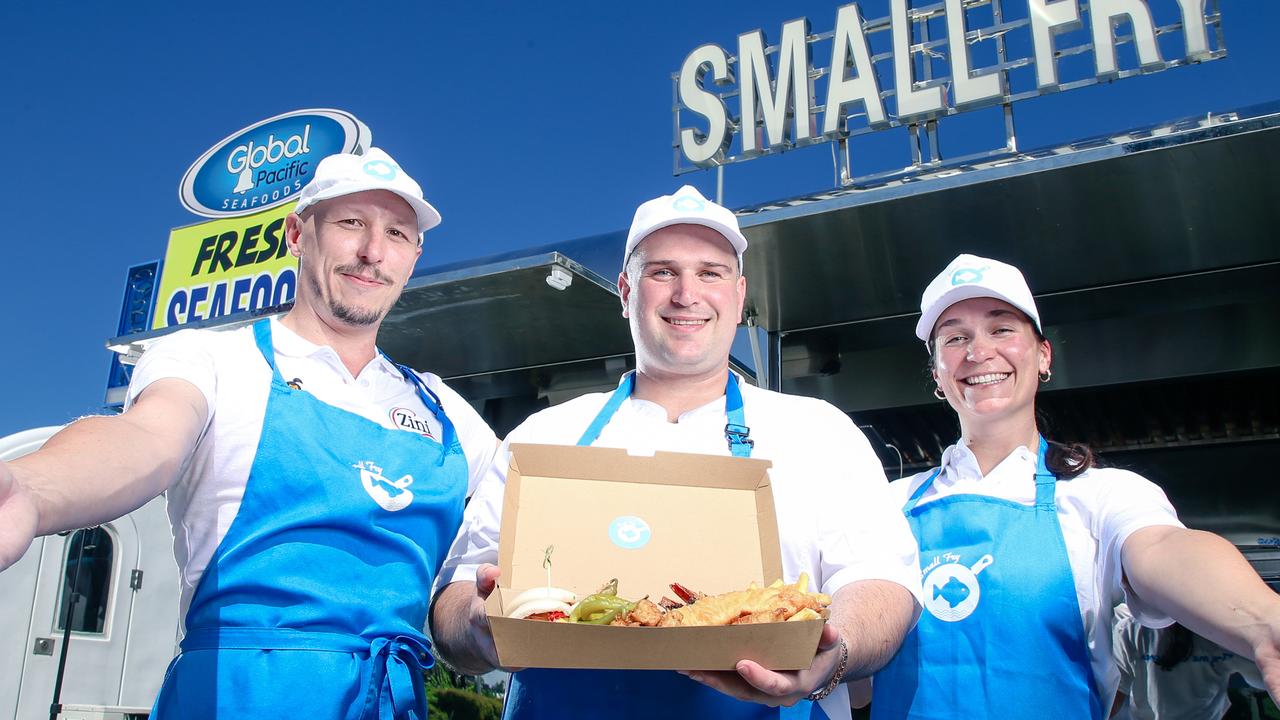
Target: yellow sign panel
x=227, y=266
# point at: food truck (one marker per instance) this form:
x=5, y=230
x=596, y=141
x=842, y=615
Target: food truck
x=1152, y=251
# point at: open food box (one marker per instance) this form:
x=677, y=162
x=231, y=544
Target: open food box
x=706, y=522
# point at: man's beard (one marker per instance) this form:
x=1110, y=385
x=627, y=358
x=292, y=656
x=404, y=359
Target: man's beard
x=358, y=317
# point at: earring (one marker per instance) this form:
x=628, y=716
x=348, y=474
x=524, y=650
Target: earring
x=1045, y=376
x=937, y=392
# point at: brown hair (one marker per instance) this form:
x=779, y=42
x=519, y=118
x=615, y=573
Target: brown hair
x=1067, y=460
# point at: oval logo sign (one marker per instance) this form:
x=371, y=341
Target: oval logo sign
x=266, y=164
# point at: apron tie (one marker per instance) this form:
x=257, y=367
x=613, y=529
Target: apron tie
x=398, y=662
x=401, y=660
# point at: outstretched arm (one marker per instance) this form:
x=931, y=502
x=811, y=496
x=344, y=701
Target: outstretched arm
x=99, y=468
x=1203, y=582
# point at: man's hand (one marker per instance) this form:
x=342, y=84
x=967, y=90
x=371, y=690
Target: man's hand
x=753, y=683
x=18, y=518
x=478, y=620
x=460, y=625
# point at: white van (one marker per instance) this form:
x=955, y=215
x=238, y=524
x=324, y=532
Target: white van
x=124, y=622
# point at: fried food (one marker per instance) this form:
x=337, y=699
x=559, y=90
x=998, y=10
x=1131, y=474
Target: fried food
x=775, y=603
x=646, y=614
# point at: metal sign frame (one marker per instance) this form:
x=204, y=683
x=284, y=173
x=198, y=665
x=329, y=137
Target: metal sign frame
x=778, y=123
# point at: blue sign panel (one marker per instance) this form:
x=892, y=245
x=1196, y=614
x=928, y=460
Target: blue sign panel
x=266, y=164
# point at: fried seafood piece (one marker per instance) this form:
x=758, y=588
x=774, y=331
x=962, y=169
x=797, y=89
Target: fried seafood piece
x=646, y=613
x=771, y=604
x=766, y=616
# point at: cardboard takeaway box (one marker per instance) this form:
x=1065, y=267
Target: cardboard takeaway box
x=706, y=522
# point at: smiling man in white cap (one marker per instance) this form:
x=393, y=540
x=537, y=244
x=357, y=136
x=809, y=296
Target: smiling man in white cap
x=683, y=292
x=314, y=485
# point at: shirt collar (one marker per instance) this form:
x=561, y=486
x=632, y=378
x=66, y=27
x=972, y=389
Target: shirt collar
x=290, y=344
x=715, y=408
x=960, y=459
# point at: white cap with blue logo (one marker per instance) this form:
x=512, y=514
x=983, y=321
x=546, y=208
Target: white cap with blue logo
x=686, y=206
x=345, y=173
x=970, y=276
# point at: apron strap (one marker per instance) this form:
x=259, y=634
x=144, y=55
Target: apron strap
x=399, y=662
x=1046, y=484
x=262, y=338
x=1046, y=481
x=625, y=387
x=736, y=432
x=920, y=491
x=448, y=435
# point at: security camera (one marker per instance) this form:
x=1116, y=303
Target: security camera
x=559, y=278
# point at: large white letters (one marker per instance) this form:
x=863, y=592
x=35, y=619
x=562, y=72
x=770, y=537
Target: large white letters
x=849, y=50
x=793, y=87
x=703, y=150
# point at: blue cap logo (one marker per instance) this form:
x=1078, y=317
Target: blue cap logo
x=629, y=532
x=686, y=203
x=964, y=276
x=380, y=169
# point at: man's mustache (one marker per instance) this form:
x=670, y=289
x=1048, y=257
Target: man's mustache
x=364, y=270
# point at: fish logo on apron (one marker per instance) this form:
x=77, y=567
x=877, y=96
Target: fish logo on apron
x=952, y=590
x=391, y=495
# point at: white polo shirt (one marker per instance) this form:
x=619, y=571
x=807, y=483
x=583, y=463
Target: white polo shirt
x=235, y=380
x=1194, y=689
x=1097, y=510
x=835, y=518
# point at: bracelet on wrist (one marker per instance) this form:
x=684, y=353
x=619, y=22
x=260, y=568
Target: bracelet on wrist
x=836, y=677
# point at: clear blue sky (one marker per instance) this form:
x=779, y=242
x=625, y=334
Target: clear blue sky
x=526, y=123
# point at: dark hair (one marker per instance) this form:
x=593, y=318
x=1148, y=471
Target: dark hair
x=1175, y=646
x=1068, y=460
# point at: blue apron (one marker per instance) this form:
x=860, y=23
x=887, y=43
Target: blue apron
x=550, y=694
x=1000, y=635
x=313, y=604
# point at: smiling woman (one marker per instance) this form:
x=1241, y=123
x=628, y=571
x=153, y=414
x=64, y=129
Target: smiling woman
x=1027, y=546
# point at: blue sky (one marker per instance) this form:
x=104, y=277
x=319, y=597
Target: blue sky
x=526, y=123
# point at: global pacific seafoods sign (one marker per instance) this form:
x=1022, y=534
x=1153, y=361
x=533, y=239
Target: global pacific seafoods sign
x=250, y=181
x=923, y=62
x=224, y=267
x=267, y=163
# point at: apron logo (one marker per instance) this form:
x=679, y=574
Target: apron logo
x=951, y=590
x=405, y=419
x=629, y=532
x=391, y=495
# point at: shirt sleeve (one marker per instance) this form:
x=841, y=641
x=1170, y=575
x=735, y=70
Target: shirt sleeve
x=477, y=540
x=181, y=355
x=862, y=532
x=1128, y=502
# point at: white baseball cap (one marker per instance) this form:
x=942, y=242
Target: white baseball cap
x=344, y=173
x=686, y=206
x=970, y=276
